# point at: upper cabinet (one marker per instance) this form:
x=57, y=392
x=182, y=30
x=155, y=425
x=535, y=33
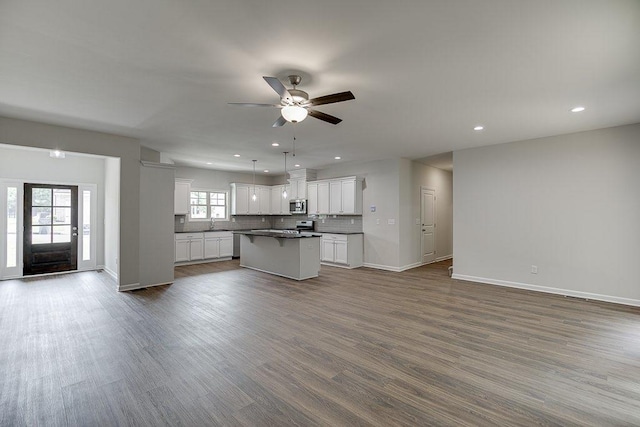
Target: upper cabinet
x=339, y=196
x=298, y=189
x=181, y=197
x=279, y=204
x=242, y=202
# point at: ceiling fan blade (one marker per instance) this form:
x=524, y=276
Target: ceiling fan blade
x=250, y=104
x=278, y=87
x=280, y=122
x=323, y=116
x=330, y=99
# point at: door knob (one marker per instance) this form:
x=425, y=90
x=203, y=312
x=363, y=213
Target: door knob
x=74, y=228
x=75, y=234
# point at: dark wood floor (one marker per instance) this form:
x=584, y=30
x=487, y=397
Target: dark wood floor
x=230, y=346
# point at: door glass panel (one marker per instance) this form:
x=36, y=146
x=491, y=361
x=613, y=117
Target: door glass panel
x=61, y=233
x=41, y=197
x=40, y=234
x=62, y=215
x=86, y=225
x=61, y=197
x=12, y=226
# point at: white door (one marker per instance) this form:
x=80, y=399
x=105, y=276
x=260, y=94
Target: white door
x=312, y=198
x=428, y=213
x=182, y=250
x=196, y=249
x=211, y=248
x=340, y=252
x=328, y=247
x=242, y=200
x=349, y=197
x=226, y=246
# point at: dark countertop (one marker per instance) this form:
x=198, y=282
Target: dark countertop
x=277, y=235
x=202, y=231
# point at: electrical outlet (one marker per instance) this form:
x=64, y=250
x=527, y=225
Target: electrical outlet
x=233, y=220
x=378, y=221
x=534, y=269
x=281, y=219
x=262, y=219
x=181, y=220
x=323, y=220
x=391, y=221
x=352, y=221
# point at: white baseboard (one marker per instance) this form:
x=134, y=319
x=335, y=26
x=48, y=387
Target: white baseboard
x=113, y=274
x=134, y=286
x=549, y=290
x=382, y=267
x=201, y=261
x=443, y=258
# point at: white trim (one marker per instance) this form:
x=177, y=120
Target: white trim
x=278, y=274
x=443, y=258
x=331, y=264
x=201, y=261
x=549, y=290
x=382, y=267
x=159, y=165
x=134, y=286
x=113, y=274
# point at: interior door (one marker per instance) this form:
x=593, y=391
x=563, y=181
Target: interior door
x=428, y=214
x=50, y=228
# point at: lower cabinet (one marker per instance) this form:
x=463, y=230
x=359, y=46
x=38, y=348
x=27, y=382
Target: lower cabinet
x=345, y=250
x=218, y=244
x=203, y=246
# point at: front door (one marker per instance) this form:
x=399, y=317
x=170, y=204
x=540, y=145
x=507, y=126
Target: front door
x=428, y=214
x=50, y=228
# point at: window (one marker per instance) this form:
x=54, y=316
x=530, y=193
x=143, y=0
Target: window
x=208, y=204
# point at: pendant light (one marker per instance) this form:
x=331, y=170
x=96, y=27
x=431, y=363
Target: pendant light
x=254, y=197
x=284, y=188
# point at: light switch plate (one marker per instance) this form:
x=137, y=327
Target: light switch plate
x=391, y=221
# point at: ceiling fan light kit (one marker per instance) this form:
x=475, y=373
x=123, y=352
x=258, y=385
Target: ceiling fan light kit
x=295, y=103
x=294, y=113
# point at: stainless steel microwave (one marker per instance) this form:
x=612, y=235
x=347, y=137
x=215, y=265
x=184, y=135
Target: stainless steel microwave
x=298, y=206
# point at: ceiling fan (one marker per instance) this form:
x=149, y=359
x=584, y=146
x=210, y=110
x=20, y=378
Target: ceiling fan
x=295, y=103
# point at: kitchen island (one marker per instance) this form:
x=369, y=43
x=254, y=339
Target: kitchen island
x=292, y=255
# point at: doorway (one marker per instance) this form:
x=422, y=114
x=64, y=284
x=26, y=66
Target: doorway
x=428, y=220
x=50, y=238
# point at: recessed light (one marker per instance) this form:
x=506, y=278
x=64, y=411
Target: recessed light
x=266, y=171
x=296, y=166
x=337, y=157
x=577, y=109
x=478, y=127
x=275, y=144
x=209, y=163
x=236, y=155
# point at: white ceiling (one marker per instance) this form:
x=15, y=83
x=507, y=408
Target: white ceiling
x=424, y=73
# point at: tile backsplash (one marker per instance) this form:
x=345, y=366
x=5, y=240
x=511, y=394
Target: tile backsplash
x=245, y=222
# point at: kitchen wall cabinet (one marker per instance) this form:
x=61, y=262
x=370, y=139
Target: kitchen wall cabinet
x=318, y=197
x=343, y=250
x=181, y=196
x=339, y=196
x=298, y=189
x=189, y=247
x=242, y=202
x=280, y=205
x=218, y=244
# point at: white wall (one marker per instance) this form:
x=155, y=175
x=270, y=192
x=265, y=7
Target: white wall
x=441, y=182
x=112, y=216
x=381, y=188
x=156, y=225
x=568, y=204
x=37, y=166
x=33, y=134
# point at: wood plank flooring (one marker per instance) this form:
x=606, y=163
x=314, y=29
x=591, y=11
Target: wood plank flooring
x=231, y=346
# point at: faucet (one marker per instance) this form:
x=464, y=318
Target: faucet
x=213, y=223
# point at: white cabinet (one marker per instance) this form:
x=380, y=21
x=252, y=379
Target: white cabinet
x=242, y=202
x=318, y=197
x=345, y=196
x=181, y=197
x=218, y=244
x=344, y=250
x=189, y=247
x=298, y=189
x=279, y=204
x=340, y=196
x=203, y=246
